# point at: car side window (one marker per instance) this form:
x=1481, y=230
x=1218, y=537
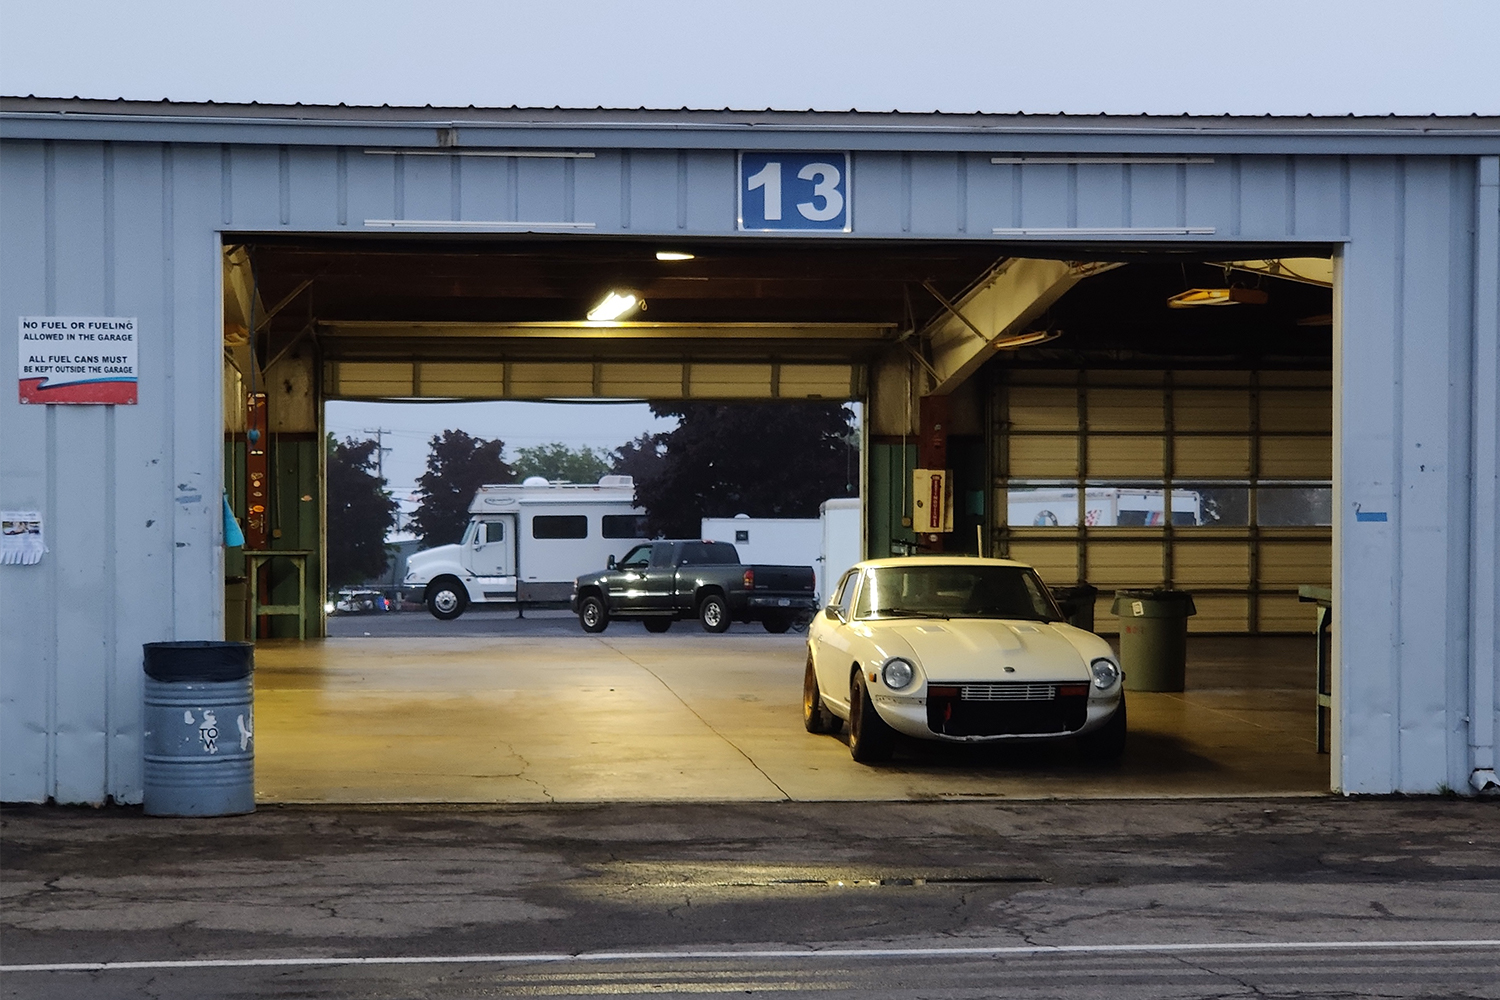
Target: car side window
x=846, y=599
x=637, y=558
x=661, y=556
x=842, y=588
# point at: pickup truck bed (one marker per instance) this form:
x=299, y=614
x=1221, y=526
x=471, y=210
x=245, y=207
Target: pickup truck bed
x=665, y=581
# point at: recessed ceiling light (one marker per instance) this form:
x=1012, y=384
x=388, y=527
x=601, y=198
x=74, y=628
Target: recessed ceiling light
x=614, y=305
x=673, y=255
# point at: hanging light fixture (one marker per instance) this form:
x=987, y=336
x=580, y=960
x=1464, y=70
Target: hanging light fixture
x=1194, y=297
x=615, y=305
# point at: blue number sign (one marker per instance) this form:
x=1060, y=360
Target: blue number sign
x=782, y=192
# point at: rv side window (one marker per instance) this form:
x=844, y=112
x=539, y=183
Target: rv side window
x=494, y=531
x=624, y=525
x=469, y=533
x=560, y=526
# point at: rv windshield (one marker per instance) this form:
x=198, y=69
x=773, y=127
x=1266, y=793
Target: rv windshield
x=955, y=591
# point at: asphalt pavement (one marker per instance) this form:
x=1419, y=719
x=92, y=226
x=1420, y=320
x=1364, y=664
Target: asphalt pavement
x=1165, y=898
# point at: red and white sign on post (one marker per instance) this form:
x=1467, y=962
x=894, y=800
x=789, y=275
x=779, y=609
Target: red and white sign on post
x=932, y=501
x=78, y=359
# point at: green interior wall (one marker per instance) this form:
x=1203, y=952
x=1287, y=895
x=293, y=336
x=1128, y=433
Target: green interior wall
x=888, y=501
x=295, y=524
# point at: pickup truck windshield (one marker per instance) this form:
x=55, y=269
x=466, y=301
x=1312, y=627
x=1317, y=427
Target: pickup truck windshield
x=954, y=592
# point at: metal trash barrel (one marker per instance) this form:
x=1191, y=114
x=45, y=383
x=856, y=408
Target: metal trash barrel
x=200, y=728
x=1153, y=637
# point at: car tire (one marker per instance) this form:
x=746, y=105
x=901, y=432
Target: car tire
x=592, y=614
x=1107, y=743
x=446, y=598
x=816, y=718
x=656, y=626
x=777, y=624
x=713, y=613
x=871, y=741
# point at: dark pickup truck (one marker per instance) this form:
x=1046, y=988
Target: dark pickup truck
x=658, y=583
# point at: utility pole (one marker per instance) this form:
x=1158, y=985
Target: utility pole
x=380, y=448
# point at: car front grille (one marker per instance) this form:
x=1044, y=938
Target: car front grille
x=1007, y=708
x=1007, y=692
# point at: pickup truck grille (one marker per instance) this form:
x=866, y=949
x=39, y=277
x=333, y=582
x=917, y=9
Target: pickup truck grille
x=1007, y=709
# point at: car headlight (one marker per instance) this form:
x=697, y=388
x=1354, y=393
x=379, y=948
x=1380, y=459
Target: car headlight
x=897, y=673
x=1106, y=673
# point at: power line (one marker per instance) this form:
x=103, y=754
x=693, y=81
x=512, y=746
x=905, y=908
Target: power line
x=380, y=448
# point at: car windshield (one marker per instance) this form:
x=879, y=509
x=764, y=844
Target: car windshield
x=956, y=591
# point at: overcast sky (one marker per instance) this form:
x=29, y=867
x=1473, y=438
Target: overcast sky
x=1157, y=56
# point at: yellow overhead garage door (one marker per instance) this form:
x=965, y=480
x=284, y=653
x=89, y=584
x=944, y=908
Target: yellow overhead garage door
x=1219, y=483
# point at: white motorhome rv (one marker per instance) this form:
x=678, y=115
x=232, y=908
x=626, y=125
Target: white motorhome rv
x=841, y=520
x=527, y=542
x=1103, y=507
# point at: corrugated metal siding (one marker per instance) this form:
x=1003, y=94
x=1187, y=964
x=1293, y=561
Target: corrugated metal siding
x=134, y=227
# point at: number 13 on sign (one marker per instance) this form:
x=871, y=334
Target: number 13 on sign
x=794, y=192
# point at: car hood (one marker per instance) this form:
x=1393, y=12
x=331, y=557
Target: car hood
x=981, y=649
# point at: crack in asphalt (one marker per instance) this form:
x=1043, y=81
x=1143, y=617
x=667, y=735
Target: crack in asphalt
x=694, y=712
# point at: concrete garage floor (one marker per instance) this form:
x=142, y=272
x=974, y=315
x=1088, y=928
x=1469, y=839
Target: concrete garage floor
x=537, y=711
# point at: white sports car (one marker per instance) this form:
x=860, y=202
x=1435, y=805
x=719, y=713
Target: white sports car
x=958, y=649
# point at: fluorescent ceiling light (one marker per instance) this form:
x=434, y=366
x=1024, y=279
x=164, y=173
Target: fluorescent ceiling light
x=614, y=305
x=1194, y=297
x=673, y=255
x=1025, y=339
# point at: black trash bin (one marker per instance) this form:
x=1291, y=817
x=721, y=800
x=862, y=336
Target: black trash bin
x=199, y=729
x=1077, y=604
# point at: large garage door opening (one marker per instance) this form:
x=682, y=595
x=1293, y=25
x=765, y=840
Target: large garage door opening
x=1119, y=421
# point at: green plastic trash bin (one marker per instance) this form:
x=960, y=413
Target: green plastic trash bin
x=1153, y=637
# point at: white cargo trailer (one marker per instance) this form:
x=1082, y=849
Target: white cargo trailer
x=828, y=543
x=527, y=542
x=1103, y=507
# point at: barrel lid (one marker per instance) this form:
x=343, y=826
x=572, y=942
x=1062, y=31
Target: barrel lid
x=204, y=662
x=1153, y=604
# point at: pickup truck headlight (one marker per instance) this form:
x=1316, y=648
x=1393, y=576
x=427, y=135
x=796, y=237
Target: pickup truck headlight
x=1106, y=673
x=897, y=673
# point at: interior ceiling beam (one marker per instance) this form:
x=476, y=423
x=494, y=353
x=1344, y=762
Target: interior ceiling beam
x=636, y=331
x=1014, y=294
x=1308, y=270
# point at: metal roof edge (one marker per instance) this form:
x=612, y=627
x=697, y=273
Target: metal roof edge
x=444, y=128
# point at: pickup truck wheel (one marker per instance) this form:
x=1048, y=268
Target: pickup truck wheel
x=777, y=624
x=714, y=614
x=657, y=626
x=593, y=615
x=871, y=741
x=815, y=715
x=446, y=598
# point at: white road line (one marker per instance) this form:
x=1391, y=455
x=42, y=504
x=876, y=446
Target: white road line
x=997, y=951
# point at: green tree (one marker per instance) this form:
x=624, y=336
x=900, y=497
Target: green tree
x=761, y=459
x=457, y=465
x=360, y=513
x=558, y=462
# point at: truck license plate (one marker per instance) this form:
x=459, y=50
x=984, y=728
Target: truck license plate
x=784, y=602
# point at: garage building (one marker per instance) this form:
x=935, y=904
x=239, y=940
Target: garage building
x=983, y=284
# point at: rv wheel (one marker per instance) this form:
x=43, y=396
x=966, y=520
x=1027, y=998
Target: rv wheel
x=446, y=598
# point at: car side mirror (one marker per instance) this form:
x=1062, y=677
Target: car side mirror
x=832, y=612
x=609, y=563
